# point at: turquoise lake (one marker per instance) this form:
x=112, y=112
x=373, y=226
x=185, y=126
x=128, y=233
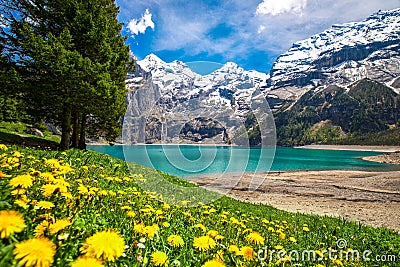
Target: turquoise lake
x=189, y=160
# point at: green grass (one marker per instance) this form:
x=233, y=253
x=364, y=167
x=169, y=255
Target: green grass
x=127, y=189
x=15, y=133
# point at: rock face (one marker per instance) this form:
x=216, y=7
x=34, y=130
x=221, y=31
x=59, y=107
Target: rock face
x=170, y=102
x=340, y=55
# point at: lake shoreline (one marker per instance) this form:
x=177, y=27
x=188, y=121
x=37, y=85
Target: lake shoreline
x=369, y=198
x=384, y=149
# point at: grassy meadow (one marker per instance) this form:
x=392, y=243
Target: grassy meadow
x=78, y=208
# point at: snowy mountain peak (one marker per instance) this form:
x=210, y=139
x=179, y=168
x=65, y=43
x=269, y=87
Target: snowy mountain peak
x=229, y=87
x=230, y=65
x=153, y=57
x=350, y=41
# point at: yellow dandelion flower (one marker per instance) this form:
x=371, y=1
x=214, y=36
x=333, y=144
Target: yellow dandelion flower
x=202, y=227
x=159, y=258
x=86, y=261
x=45, y=204
x=283, y=260
x=47, y=176
x=23, y=202
x=61, y=184
x=212, y=233
x=35, y=252
x=41, y=228
x=67, y=195
x=218, y=237
x=18, y=192
x=292, y=239
x=166, y=224
x=102, y=193
x=10, y=222
x=166, y=206
x=111, y=193
x=3, y=147
x=139, y=228
x=247, y=231
x=306, y=229
x=204, y=243
x=219, y=255
x=3, y=175
x=151, y=230
x=337, y=262
x=214, y=263
x=131, y=214
x=52, y=163
x=105, y=245
x=24, y=181
x=319, y=253
x=279, y=247
x=59, y=225
x=48, y=189
x=176, y=241
x=247, y=253
x=17, y=154
x=255, y=238
x=233, y=249
x=83, y=189
x=282, y=235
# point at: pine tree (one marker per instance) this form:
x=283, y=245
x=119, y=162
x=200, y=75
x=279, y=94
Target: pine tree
x=73, y=61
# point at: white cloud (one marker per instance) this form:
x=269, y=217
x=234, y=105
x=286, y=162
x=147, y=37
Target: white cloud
x=137, y=26
x=261, y=28
x=193, y=29
x=275, y=7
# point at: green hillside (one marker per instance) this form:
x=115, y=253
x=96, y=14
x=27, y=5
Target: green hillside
x=336, y=115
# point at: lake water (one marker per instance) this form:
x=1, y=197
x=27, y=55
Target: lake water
x=188, y=160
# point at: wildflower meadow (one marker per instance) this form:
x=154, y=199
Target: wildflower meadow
x=78, y=209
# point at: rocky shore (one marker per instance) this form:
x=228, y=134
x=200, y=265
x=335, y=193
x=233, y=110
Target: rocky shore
x=391, y=158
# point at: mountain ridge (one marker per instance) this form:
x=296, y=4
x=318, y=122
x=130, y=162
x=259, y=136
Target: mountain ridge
x=341, y=56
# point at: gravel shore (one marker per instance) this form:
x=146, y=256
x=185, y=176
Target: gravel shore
x=370, y=198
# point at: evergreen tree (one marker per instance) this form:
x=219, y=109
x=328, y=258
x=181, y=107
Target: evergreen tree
x=73, y=61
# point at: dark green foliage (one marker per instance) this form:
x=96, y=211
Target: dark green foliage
x=72, y=61
x=11, y=104
x=253, y=130
x=335, y=115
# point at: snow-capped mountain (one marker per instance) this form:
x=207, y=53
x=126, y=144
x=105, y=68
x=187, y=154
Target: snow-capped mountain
x=341, y=55
x=173, y=89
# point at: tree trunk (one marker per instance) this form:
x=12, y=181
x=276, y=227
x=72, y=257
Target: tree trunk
x=66, y=128
x=75, y=131
x=82, y=139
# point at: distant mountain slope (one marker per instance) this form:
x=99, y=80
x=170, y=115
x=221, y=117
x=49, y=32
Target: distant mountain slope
x=336, y=114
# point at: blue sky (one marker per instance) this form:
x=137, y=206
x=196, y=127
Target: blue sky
x=251, y=33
